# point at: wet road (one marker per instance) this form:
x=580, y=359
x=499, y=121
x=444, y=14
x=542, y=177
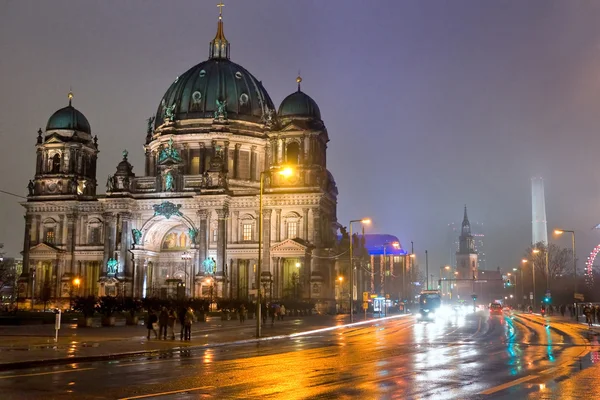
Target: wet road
x=472, y=357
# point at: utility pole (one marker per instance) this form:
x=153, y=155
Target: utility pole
x=427, y=268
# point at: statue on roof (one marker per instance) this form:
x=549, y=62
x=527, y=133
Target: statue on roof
x=221, y=111
x=150, y=127
x=169, y=152
x=169, y=113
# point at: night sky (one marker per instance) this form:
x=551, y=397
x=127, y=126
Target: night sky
x=429, y=104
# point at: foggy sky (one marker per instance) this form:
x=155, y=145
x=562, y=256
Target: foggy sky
x=429, y=105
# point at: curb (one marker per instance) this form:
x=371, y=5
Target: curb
x=114, y=356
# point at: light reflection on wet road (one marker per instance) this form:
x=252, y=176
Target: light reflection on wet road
x=461, y=358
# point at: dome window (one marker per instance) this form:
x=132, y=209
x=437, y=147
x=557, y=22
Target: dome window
x=243, y=99
x=176, y=79
x=238, y=75
x=202, y=73
x=196, y=97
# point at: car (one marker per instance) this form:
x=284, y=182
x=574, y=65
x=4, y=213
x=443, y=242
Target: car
x=496, y=308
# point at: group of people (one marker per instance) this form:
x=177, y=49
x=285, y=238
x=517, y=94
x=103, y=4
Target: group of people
x=164, y=322
x=592, y=314
x=272, y=310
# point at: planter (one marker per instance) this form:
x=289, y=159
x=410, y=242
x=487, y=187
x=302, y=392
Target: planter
x=132, y=319
x=84, y=322
x=108, y=321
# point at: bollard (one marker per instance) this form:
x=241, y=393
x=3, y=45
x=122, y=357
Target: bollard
x=56, y=325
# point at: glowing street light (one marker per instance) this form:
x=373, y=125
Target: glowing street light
x=560, y=232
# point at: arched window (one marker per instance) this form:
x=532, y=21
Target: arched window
x=293, y=153
x=56, y=163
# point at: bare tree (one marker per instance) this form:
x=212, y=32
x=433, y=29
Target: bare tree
x=560, y=260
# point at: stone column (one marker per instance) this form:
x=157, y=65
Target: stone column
x=222, y=215
x=266, y=242
x=27, y=242
x=109, y=238
x=71, y=235
x=60, y=235
x=188, y=160
x=317, y=226
x=305, y=224
x=236, y=161
x=283, y=151
x=253, y=159
x=38, y=229
x=235, y=227
x=202, y=157
x=226, y=155
x=202, y=235
x=126, y=239
x=278, y=225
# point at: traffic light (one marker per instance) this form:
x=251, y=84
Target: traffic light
x=547, y=299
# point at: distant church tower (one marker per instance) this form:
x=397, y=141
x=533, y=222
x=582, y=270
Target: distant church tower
x=466, y=257
x=539, y=226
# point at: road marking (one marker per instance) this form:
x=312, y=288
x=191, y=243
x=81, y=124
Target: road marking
x=47, y=373
x=145, y=396
x=508, y=384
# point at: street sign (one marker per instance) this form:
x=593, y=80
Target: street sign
x=530, y=296
x=373, y=296
x=578, y=296
x=365, y=305
x=365, y=296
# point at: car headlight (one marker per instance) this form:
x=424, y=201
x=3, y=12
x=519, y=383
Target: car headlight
x=419, y=316
x=430, y=314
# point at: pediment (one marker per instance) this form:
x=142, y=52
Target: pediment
x=292, y=127
x=44, y=248
x=291, y=246
x=54, y=139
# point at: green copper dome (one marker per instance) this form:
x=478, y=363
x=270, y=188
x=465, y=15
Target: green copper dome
x=195, y=93
x=299, y=104
x=69, y=118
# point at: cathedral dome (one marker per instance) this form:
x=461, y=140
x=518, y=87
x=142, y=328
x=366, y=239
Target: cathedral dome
x=69, y=118
x=196, y=92
x=299, y=104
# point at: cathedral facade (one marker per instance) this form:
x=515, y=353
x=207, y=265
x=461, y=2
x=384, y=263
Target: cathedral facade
x=191, y=222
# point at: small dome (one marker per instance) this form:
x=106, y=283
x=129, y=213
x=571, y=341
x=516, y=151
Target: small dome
x=299, y=104
x=124, y=168
x=69, y=118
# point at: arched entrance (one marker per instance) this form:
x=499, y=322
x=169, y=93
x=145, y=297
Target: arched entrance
x=167, y=257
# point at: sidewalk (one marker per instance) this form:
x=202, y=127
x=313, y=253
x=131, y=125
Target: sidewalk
x=26, y=346
x=580, y=322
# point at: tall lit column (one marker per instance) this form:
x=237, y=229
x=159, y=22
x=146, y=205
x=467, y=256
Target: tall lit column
x=352, y=294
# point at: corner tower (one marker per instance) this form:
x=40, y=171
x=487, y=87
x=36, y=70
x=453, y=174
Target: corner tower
x=66, y=157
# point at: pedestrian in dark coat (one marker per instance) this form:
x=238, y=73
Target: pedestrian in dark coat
x=163, y=320
x=151, y=324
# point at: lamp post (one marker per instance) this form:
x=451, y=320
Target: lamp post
x=442, y=279
x=283, y=172
x=185, y=257
x=560, y=232
x=533, y=276
x=363, y=221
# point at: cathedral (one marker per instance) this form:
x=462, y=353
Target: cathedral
x=190, y=225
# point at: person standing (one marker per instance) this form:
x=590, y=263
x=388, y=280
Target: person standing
x=171, y=323
x=189, y=319
x=181, y=315
x=282, y=311
x=151, y=323
x=163, y=320
x=242, y=313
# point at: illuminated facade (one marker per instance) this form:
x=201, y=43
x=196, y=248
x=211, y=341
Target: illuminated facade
x=192, y=218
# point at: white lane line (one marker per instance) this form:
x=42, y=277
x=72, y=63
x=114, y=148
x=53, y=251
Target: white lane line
x=145, y=396
x=47, y=373
x=508, y=384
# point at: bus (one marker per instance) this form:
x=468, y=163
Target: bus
x=430, y=302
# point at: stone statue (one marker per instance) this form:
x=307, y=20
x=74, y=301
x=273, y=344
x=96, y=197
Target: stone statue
x=125, y=154
x=268, y=117
x=110, y=184
x=150, y=127
x=31, y=187
x=170, y=113
x=169, y=187
x=137, y=236
x=192, y=234
x=112, y=267
x=221, y=111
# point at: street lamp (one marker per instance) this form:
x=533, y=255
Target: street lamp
x=532, y=274
x=341, y=280
x=286, y=172
x=185, y=257
x=362, y=221
x=560, y=232
x=296, y=280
